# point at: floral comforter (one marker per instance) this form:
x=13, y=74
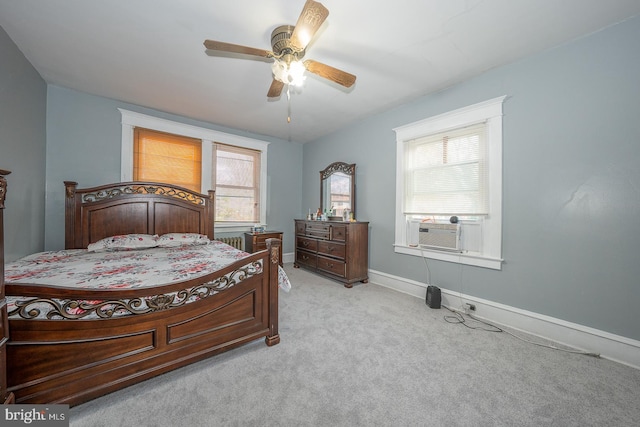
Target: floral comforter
x=123, y=269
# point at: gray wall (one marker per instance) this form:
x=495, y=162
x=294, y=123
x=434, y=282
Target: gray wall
x=571, y=183
x=84, y=144
x=22, y=149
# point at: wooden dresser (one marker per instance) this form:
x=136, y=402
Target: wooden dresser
x=336, y=249
x=254, y=242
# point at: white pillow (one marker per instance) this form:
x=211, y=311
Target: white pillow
x=170, y=240
x=124, y=242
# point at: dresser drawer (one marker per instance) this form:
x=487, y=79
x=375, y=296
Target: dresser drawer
x=301, y=227
x=306, y=244
x=318, y=229
x=339, y=233
x=306, y=259
x=260, y=240
x=333, y=266
x=260, y=246
x=254, y=242
x=331, y=248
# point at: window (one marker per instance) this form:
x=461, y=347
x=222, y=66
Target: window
x=237, y=189
x=236, y=170
x=449, y=165
x=163, y=157
x=445, y=173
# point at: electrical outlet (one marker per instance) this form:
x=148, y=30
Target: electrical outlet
x=469, y=307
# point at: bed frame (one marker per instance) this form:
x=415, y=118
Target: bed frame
x=74, y=360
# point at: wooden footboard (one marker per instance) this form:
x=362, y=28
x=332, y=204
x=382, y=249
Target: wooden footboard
x=72, y=361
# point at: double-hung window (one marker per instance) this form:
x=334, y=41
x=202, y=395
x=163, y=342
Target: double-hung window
x=451, y=166
x=199, y=159
x=445, y=173
x=236, y=177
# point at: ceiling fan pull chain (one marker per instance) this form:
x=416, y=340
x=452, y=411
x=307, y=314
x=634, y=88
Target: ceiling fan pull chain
x=288, y=105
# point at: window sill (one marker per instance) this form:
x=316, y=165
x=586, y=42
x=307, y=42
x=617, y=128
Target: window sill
x=476, y=260
x=232, y=228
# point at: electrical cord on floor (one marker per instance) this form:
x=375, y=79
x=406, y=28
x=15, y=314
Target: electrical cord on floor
x=426, y=265
x=458, y=318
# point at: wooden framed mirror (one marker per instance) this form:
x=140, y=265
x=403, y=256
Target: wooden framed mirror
x=338, y=191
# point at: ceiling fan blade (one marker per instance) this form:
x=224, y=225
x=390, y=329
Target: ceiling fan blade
x=276, y=89
x=341, y=77
x=235, y=48
x=312, y=16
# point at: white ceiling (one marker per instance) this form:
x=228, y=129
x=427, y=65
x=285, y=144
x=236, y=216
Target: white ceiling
x=151, y=53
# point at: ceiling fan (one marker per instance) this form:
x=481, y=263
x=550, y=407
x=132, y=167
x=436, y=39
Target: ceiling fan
x=288, y=45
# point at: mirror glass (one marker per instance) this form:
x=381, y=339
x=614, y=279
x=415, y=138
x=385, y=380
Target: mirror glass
x=337, y=190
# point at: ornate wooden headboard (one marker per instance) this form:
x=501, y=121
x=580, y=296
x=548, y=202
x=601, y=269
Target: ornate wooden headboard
x=94, y=213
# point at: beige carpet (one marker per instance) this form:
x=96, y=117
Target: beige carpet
x=370, y=356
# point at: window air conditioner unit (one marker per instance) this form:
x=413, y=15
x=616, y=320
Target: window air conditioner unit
x=440, y=236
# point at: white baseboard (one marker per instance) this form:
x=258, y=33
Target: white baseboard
x=613, y=347
x=288, y=257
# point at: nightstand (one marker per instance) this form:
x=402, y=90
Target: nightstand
x=254, y=242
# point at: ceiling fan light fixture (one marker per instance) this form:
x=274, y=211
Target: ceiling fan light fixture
x=289, y=43
x=304, y=37
x=290, y=73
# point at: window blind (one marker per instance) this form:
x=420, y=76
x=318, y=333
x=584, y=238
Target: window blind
x=446, y=173
x=169, y=158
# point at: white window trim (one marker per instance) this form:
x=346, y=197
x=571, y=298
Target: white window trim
x=131, y=119
x=490, y=111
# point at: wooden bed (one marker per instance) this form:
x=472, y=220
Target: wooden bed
x=74, y=360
